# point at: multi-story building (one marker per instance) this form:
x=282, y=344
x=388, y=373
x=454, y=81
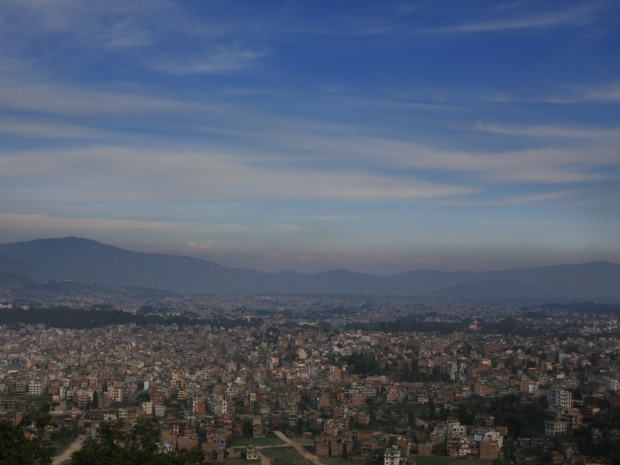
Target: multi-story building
x=251, y=453
x=392, y=456
x=560, y=400
x=612, y=384
x=489, y=449
x=556, y=427
x=34, y=389
x=218, y=406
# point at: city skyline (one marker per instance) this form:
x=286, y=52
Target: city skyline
x=310, y=136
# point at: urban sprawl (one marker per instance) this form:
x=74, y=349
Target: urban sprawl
x=375, y=381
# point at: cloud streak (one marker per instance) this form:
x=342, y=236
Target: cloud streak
x=573, y=16
x=121, y=174
x=551, y=132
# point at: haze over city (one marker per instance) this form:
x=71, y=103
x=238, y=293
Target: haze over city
x=374, y=136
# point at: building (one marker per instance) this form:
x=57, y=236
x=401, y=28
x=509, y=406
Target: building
x=159, y=411
x=456, y=429
x=560, y=400
x=218, y=406
x=425, y=449
x=556, y=427
x=321, y=446
x=612, y=384
x=116, y=394
x=147, y=408
x=34, y=389
x=251, y=453
x=488, y=449
x=494, y=436
x=187, y=442
x=392, y=456
x=199, y=407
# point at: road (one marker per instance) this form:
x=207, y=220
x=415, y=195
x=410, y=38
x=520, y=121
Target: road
x=304, y=452
x=264, y=460
x=66, y=455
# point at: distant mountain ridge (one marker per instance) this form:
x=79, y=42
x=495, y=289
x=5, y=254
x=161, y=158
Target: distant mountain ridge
x=84, y=260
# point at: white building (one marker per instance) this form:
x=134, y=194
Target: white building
x=218, y=406
x=159, y=410
x=34, y=389
x=392, y=456
x=556, y=427
x=369, y=391
x=116, y=393
x=457, y=430
x=560, y=400
x=494, y=436
x=612, y=384
x=251, y=453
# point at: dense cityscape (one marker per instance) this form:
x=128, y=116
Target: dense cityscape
x=371, y=380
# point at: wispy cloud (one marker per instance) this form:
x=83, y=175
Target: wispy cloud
x=333, y=217
x=158, y=29
x=51, y=131
x=603, y=94
x=566, y=197
x=550, y=132
x=121, y=174
x=54, y=225
x=61, y=100
x=572, y=16
x=222, y=60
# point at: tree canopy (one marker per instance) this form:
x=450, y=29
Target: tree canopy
x=117, y=446
x=28, y=440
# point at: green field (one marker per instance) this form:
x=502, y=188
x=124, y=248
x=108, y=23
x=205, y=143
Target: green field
x=339, y=461
x=437, y=460
x=304, y=441
x=256, y=442
x=280, y=456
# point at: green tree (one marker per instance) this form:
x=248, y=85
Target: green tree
x=30, y=441
x=247, y=428
x=137, y=447
x=411, y=420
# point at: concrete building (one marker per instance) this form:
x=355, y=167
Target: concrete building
x=560, y=400
x=556, y=427
x=392, y=456
x=251, y=453
x=34, y=389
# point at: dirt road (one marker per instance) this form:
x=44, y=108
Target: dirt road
x=264, y=460
x=66, y=455
x=304, y=452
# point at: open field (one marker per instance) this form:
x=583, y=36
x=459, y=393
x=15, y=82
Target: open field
x=436, y=460
x=280, y=456
x=303, y=441
x=339, y=461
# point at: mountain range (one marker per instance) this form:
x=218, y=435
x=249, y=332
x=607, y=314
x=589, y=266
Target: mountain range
x=86, y=261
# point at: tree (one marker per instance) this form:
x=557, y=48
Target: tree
x=94, y=404
x=137, y=447
x=411, y=420
x=28, y=441
x=247, y=428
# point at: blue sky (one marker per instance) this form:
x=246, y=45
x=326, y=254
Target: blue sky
x=373, y=136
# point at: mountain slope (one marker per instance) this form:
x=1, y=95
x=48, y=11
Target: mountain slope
x=84, y=260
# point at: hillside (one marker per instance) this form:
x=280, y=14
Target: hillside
x=87, y=261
